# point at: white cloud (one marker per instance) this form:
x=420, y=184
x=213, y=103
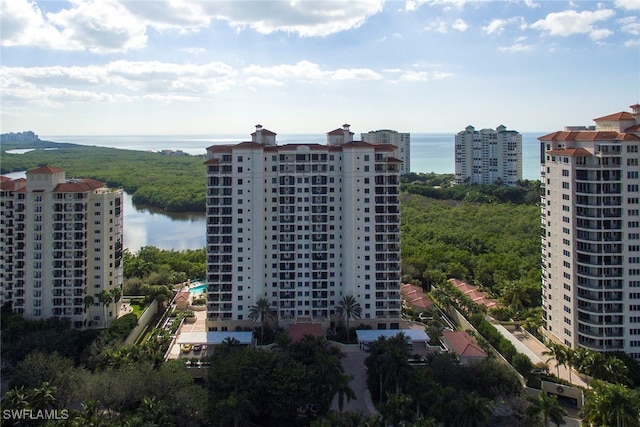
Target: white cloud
x=305, y=18
x=355, y=74
x=630, y=26
x=460, y=25
x=194, y=50
x=22, y=23
x=495, y=26
x=423, y=76
x=441, y=26
x=571, y=22
x=105, y=26
x=517, y=47
x=178, y=15
x=632, y=43
x=628, y=4
x=114, y=82
x=100, y=26
x=97, y=26
x=438, y=26
x=599, y=34
x=308, y=71
x=411, y=5
x=498, y=26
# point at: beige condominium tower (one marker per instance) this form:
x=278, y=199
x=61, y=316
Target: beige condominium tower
x=303, y=225
x=590, y=212
x=60, y=247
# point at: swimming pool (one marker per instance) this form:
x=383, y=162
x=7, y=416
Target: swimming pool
x=198, y=289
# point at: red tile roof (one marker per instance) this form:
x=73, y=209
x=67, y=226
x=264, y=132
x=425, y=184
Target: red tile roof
x=339, y=131
x=623, y=115
x=265, y=132
x=78, y=186
x=299, y=330
x=183, y=295
x=415, y=296
x=463, y=344
x=572, y=152
x=45, y=170
x=226, y=148
x=589, y=136
x=472, y=292
x=9, y=184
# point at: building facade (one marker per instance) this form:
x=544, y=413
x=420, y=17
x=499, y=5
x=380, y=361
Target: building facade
x=302, y=225
x=60, y=243
x=488, y=156
x=400, y=140
x=590, y=211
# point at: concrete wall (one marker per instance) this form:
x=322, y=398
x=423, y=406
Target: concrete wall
x=143, y=321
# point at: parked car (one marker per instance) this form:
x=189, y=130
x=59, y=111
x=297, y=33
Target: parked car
x=197, y=348
x=186, y=348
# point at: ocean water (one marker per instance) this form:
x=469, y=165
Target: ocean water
x=430, y=152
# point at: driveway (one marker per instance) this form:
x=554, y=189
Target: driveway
x=353, y=364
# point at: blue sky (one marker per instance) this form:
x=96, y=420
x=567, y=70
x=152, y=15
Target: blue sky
x=210, y=67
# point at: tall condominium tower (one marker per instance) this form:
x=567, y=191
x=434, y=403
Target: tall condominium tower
x=591, y=234
x=487, y=156
x=402, y=141
x=302, y=225
x=60, y=243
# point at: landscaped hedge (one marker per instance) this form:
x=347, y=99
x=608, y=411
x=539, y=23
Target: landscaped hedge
x=495, y=338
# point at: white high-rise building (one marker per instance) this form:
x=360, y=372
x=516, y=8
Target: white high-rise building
x=486, y=156
x=303, y=225
x=401, y=140
x=60, y=242
x=591, y=234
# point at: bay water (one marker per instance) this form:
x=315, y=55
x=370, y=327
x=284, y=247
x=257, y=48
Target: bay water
x=430, y=152
x=148, y=226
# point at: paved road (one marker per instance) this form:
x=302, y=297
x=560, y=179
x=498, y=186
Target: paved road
x=353, y=364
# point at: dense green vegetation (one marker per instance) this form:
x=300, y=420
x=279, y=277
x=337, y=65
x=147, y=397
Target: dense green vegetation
x=487, y=244
x=168, y=182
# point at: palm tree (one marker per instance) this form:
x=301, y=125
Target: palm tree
x=343, y=390
x=153, y=410
x=515, y=296
x=611, y=405
x=616, y=370
x=88, y=302
x=395, y=361
x=546, y=407
x=116, y=293
x=105, y=299
x=263, y=312
x=472, y=411
x=557, y=352
x=349, y=308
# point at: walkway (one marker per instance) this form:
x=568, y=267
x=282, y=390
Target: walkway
x=529, y=345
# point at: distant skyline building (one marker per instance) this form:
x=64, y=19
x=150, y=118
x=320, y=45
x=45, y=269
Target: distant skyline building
x=60, y=242
x=591, y=234
x=488, y=155
x=401, y=140
x=303, y=225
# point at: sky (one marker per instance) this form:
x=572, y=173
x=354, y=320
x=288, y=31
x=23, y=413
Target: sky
x=136, y=67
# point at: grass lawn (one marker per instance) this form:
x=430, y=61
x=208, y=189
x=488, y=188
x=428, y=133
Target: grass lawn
x=137, y=308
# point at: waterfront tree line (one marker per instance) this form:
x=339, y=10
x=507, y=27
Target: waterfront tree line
x=168, y=182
